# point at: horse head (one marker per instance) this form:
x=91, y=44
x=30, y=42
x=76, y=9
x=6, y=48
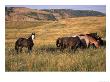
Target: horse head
x=58, y=42
x=33, y=35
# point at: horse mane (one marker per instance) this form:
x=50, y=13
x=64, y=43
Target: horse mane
x=29, y=38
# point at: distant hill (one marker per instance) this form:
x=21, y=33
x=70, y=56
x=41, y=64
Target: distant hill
x=69, y=13
x=26, y=14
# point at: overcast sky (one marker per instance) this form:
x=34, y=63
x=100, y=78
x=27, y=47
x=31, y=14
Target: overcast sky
x=100, y=8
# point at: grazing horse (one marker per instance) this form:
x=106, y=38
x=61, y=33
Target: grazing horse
x=23, y=42
x=97, y=38
x=89, y=40
x=68, y=42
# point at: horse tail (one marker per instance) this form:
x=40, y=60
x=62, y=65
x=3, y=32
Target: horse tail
x=16, y=47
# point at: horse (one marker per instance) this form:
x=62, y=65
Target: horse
x=68, y=42
x=25, y=42
x=97, y=38
x=89, y=40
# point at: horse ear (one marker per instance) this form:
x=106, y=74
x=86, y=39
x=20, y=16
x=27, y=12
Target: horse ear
x=33, y=33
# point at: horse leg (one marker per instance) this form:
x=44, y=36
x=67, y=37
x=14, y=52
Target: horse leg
x=72, y=48
x=16, y=49
x=93, y=45
x=96, y=45
x=62, y=48
x=21, y=49
x=87, y=43
x=76, y=46
x=29, y=49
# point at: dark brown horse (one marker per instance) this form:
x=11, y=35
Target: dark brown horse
x=23, y=42
x=68, y=42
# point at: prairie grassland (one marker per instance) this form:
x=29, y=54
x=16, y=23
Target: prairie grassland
x=45, y=55
x=48, y=58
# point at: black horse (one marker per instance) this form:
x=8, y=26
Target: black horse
x=23, y=42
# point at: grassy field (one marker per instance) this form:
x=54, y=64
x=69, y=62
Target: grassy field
x=45, y=55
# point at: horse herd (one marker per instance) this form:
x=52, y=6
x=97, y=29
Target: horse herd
x=72, y=42
x=81, y=41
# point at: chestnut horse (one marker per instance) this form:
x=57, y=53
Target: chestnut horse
x=89, y=40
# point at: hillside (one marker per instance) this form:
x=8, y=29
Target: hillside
x=26, y=14
x=48, y=31
x=69, y=13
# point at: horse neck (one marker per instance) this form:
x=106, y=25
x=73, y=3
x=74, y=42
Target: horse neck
x=30, y=38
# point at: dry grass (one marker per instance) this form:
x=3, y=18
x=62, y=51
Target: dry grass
x=45, y=56
x=48, y=58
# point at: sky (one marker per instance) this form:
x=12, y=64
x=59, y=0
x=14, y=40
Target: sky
x=100, y=8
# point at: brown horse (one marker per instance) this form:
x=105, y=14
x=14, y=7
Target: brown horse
x=23, y=42
x=68, y=42
x=89, y=40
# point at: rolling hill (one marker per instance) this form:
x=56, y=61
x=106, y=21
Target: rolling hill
x=26, y=14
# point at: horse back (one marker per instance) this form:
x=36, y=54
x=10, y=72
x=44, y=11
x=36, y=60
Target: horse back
x=71, y=41
x=22, y=42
